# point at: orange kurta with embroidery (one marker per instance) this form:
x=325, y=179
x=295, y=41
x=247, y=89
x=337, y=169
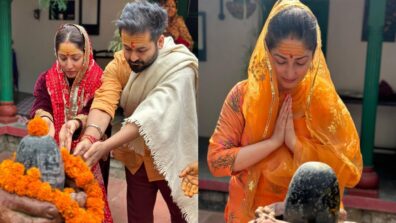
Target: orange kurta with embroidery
x=279, y=167
x=322, y=125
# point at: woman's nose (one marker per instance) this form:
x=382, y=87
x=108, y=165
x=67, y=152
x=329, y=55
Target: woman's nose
x=69, y=64
x=290, y=71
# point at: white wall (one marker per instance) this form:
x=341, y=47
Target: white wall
x=229, y=44
x=228, y=51
x=33, y=39
x=346, y=55
x=346, y=58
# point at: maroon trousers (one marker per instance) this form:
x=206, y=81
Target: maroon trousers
x=141, y=196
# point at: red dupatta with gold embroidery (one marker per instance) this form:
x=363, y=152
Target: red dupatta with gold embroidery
x=68, y=101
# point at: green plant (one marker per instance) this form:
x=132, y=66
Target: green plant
x=115, y=44
x=52, y=5
x=60, y=4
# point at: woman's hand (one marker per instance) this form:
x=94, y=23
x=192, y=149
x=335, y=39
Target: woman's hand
x=51, y=126
x=66, y=133
x=290, y=134
x=278, y=137
x=253, y=153
x=267, y=214
x=190, y=179
x=342, y=216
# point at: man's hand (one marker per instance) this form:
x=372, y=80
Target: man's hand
x=80, y=198
x=97, y=151
x=192, y=171
x=190, y=179
x=189, y=188
x=82, y=147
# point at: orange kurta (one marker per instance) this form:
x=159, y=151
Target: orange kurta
x=322, y=124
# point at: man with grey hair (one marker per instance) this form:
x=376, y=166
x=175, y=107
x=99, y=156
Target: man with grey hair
x=155, y=82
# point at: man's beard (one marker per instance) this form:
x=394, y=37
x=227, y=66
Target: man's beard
x=139, y=65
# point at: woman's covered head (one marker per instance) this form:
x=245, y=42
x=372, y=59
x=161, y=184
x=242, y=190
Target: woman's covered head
x=69, y=46
x=291, y=40
x=171, y=7
x=295, y=23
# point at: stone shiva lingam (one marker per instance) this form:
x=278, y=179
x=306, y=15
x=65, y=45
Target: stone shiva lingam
x=41, y=151
x=313, y=196
x=33, y=188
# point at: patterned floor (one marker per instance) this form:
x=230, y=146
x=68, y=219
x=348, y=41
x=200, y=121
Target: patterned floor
x=117, y=197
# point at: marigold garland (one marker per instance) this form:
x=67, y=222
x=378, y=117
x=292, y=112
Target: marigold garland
x=14, y=180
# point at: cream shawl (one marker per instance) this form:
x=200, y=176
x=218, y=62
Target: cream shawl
x=161, y=100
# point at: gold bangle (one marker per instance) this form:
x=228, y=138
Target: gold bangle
x=97, y=128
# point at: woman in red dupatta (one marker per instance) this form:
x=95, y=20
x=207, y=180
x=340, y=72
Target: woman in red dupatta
x=64, y=93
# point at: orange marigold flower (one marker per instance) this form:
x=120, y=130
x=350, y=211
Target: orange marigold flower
x=64, y=151
x=45, y=192
x=33, y=188
x=94, y=190
x=21, y=186
x=18, y=169
x=68, y=190
x=34, y=172
x=84, y=179
x=14, y=180
x=37, y=127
